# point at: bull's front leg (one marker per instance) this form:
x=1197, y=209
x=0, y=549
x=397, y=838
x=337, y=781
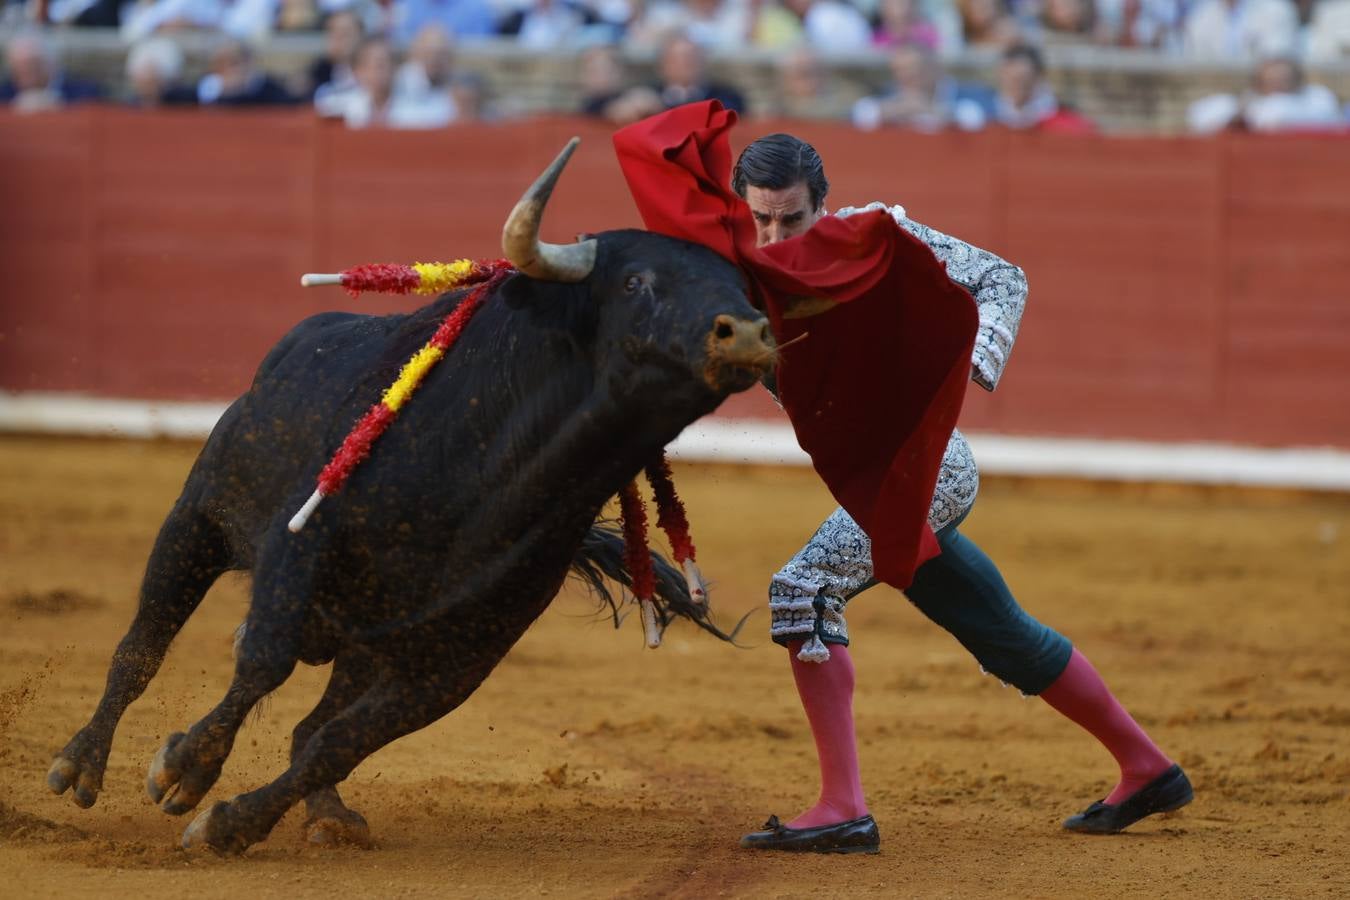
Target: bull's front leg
x=188, y=764
x=189, y=555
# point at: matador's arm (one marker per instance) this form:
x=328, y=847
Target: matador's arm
x=998, y=286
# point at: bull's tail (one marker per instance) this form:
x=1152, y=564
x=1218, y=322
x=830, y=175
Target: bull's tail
x=600, y=559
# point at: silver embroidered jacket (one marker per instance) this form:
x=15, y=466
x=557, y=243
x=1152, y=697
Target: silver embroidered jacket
x=808, y=595
x=1000, y=292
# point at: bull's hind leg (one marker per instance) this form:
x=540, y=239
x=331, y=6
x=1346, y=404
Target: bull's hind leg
x=393, y=707
x=189, y=555
x=329, y=820
x=188, y=765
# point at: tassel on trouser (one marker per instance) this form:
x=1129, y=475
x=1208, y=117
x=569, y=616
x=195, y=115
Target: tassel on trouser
x=814, y=651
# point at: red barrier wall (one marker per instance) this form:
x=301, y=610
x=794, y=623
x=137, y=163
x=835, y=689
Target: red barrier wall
x=1181, y=289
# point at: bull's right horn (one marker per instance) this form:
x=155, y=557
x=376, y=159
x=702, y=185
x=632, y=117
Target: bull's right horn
x=520, y=235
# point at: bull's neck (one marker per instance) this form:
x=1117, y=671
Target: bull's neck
x=537, y=506
x=591, y=454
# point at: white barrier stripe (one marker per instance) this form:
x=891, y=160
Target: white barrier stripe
x=766, y=442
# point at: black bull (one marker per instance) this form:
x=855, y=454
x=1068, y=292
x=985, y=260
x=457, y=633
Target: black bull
x=442, y=549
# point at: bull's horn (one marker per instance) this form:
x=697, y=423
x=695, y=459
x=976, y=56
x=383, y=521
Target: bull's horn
x=520, y=236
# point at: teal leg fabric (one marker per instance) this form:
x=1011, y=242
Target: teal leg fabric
x=964, y=593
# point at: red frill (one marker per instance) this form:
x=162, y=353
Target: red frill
x=670, y=513
x=635, y=553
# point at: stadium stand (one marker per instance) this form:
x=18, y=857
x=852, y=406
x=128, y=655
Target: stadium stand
x=1127, y=67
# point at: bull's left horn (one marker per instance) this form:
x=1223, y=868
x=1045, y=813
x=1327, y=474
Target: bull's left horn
x=520, y=235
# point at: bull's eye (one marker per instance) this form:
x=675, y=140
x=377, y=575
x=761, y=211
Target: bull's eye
x=633, y=284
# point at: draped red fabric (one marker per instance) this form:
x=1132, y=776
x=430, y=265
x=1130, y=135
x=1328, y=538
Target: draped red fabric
x=874, y=389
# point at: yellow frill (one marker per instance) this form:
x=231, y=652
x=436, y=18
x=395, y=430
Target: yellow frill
x=411, y=376
x=440, y=277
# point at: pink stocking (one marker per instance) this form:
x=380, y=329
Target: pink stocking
x=1081, y=695
x=826, y=691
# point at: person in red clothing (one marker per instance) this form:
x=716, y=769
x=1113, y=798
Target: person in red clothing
x=784, y=225
x=1025, y=100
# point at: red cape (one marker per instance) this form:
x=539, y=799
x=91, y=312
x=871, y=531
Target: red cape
x=875, y=389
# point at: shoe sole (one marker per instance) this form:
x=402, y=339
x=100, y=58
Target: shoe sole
x=851, y=850
x=1167, y=806
x=860, y=849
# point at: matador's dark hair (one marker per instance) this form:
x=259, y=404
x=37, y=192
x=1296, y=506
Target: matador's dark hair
x=778, y=161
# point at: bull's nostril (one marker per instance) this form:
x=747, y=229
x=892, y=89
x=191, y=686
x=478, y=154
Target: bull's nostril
x=723, y=330
x=765, y=336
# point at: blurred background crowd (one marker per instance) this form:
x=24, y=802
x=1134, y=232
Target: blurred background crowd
x=920, y=64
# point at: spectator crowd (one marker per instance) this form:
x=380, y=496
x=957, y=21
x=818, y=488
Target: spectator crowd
x=392, y=63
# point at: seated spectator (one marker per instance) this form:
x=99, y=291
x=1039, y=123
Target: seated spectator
x=1329, y=32
x=1140, y=23
x=298, y=15
x=34, y=80
x=904, y=22
x=1068, y=22
x=1025, y=101
x=774, y=25
x=377, y=103
x=467, y=20
x=330, y=76
x=85, y=13
x=1279, y=100
x=235, y=80
x=605, y=88
x=923, y=97
x=547, y=24
x=606, y=92
x=248, y=20
x=684, y=78
x=987, y=23
x=154, y=70
x=429, y=65
x=833, y=26
x=712, y=24
x=472, y=98
x=142, y=18
x=1240, y=29
x=806, y=89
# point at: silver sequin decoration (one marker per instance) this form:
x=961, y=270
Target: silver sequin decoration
x=808, y=595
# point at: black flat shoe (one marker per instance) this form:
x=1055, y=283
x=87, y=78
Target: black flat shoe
x=1170, y=790
x=853, y=836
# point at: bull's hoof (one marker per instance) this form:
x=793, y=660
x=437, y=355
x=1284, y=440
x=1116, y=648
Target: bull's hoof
x=178, y=777
x=348, y=829
x=162, y=776
x=210, y=831
x=79, y=768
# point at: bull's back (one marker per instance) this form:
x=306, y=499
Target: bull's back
x=269, y=445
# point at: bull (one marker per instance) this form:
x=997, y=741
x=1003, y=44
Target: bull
x=417, y=579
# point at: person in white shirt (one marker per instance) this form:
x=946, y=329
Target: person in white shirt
x=1279, y=100
x=1240, y=29
x=376, y=103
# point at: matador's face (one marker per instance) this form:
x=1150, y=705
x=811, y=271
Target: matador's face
x=781, y=213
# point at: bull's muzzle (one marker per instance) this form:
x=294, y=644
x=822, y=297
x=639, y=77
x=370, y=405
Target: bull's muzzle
x=739, y=350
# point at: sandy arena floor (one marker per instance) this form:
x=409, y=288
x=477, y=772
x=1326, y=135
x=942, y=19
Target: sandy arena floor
x=588, y=766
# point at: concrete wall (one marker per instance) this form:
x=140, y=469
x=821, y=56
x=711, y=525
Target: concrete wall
x=1124, y=90
x=1181, y=289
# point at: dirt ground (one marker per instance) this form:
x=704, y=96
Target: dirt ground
x=589, y=766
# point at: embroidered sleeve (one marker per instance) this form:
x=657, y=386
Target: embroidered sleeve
x=998, y=286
